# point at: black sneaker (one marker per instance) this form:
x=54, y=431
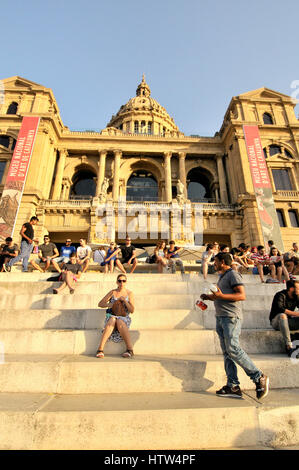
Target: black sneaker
x=290, y=352
x=262, y=387
x=232, y=392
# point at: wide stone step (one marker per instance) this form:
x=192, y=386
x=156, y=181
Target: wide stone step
x=36, y=276
x=139, y=287
x=90, y=301
x=141, y=319
x=66, y=374
x=146, y=342
x=147, y=421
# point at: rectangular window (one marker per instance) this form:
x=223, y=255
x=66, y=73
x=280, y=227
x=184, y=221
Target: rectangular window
x=293, y=218
x=282, y=180
x=2, y=168
x=136, y=127
x=280, y=216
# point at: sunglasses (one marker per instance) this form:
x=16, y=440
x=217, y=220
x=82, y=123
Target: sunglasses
x=122, y=280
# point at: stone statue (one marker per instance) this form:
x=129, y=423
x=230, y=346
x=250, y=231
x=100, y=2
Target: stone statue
x=104, y=189
x=180, y=192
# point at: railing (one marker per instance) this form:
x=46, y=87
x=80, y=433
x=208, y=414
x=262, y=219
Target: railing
x=66, y=203
x=80, y=198
x=119, y=133
x=82, y=203
x=287, y=194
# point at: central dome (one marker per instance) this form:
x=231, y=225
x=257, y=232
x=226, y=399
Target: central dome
x=144, y=115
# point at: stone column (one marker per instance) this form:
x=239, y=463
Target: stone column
x=222, y=182
x=101, y=171
x=182, y=171
x=115, y=189
x=59, y=174
x=167, y=176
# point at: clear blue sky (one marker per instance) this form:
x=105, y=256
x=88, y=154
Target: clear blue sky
x=195, y=54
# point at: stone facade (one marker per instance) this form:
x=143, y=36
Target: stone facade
x=143, y=140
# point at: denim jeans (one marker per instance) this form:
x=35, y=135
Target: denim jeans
x=285, y=325
x=26, y=250
x=228, y=330
x=176, y=261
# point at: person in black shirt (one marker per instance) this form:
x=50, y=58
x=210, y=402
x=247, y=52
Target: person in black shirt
x=27, y=234
x=70, y=273
x=282, y=316
x=128, y=253
x=9, y=251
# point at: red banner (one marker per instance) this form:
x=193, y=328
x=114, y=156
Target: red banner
x=17, y=173
x=258, y=166
x=262, y=186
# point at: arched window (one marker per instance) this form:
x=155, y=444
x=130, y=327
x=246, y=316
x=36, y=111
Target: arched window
x=142, y=186
x=149, y=127
x=274, y=150
x=4, y=140
x=199, y=186
x=288, y=154
x=267, y=118
x=12, y=108
x=83, y=184
x=2, y=168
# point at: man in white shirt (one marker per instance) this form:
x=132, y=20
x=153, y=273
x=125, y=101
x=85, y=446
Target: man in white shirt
x=83, y=254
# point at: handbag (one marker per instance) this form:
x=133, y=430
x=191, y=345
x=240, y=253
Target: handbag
x=118, y=309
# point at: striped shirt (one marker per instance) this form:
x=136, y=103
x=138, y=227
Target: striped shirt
x=258, y=258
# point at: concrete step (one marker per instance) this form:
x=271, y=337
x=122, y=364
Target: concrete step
x=36, y=276
x=94, y=318
x=69, y=374
x=139, y=287
x=177, y=341
x=147, y=421
x=142, y=301
x=142, y=319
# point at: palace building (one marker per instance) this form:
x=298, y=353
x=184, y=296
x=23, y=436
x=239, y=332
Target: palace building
x=76, y=179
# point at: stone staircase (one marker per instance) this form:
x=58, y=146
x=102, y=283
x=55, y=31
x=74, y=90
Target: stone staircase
x=54, y=394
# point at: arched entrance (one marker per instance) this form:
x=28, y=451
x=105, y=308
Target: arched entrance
x=199, y=185
x=142, y=186
x=84, y=184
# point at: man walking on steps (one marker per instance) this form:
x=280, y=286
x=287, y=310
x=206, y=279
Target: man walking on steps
x=27, y=234
x=228, y=308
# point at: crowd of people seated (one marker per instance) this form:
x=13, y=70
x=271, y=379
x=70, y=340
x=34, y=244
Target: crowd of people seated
x=262, y=260
x=71, y=262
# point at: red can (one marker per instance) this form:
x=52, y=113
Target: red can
x=201, y=305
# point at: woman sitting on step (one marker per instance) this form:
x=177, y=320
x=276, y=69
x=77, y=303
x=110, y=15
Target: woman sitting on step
x=160, y=255
x=119, y=304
